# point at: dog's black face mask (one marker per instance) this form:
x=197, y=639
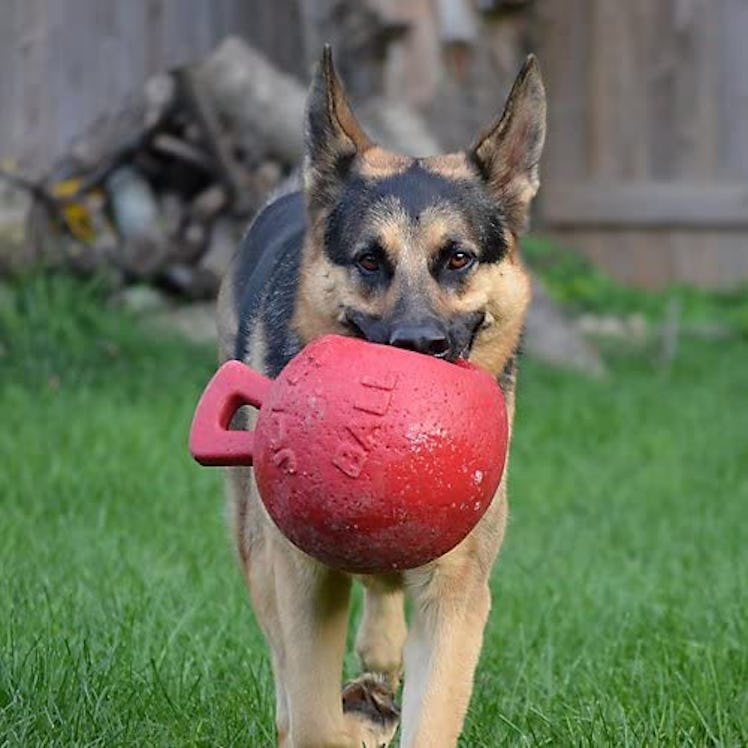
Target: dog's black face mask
x=413, y=245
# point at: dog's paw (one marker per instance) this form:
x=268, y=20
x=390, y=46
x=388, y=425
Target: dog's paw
x=369, y=701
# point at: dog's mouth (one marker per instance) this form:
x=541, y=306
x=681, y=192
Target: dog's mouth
x=449, y=341
x=475, y=325
x=365, y=326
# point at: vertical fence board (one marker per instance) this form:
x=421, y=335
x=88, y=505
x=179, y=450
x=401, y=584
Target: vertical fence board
x=733, y=90
x=696, y=106
x=564, y=58
x=25, y=63
x=660, y=61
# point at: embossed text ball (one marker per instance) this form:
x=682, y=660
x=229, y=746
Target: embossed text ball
x=368, y=457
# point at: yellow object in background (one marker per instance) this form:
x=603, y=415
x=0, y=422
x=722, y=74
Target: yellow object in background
x=76, y=214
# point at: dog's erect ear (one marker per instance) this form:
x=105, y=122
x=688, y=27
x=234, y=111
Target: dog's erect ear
x=333, y=136
x=507, y=155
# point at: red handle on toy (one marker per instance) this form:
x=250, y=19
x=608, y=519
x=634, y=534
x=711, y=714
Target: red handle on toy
x=211, y=440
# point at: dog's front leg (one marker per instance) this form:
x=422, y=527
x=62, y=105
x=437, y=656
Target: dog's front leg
x=308, y=645
x=441, y=652
x=451, y=602
x=312, y=606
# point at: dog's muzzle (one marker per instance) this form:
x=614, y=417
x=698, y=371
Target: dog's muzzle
x=431, y=335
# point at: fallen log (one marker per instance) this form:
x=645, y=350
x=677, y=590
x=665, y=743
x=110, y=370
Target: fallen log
x=263, y=106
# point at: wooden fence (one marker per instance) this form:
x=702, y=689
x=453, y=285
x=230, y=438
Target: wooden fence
x=647, y=162
x=63, y=62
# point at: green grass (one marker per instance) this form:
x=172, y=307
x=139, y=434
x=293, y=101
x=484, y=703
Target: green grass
x=620, y=598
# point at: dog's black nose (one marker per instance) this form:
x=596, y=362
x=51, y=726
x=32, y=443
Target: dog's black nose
x=427, y=337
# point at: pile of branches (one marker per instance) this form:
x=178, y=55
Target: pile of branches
x=161, y=191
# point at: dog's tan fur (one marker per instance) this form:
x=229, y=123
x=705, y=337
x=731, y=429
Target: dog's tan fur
x=301, y=605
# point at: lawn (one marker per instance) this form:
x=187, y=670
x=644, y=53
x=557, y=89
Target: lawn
x=620, y=607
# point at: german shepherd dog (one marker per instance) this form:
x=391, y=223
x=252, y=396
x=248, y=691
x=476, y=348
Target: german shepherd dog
x=420, y=253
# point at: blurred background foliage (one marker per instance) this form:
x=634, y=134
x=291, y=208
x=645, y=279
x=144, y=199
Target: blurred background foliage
x=581, y=286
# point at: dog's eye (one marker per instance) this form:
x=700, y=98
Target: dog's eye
x=369, y=262
x=460, y=260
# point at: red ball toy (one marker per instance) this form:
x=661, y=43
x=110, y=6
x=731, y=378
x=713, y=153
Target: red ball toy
x=368, y=457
